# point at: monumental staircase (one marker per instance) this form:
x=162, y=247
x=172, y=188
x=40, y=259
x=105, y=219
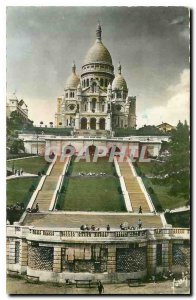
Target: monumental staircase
x=136, y=194
x=45, y=195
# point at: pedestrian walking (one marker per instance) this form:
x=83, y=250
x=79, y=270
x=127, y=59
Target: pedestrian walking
x=140, y=210
x=100, y=288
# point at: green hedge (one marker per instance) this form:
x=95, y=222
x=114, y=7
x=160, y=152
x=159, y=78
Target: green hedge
x=180, y=219
x=121, y=132
x=48, y=130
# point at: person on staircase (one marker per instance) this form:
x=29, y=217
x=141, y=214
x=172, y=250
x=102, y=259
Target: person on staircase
x=140, y=210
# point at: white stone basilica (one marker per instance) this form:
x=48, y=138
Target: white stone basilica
x=97, y=100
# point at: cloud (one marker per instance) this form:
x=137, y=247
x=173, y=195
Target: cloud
x=176, y=108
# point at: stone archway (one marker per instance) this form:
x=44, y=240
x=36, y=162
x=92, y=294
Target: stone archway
x=117, y=149
x=84, y=123
x=102, y=124
x=69, y=149
x=91, y=149
x=93, y=123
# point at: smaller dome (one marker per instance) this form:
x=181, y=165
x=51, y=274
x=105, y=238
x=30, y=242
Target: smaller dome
x=119, y=82
x=73, y=80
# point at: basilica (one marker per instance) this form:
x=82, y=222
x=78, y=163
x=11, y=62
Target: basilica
x=97, y=99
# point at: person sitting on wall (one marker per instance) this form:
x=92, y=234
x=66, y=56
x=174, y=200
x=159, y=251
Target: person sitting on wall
x=87, y=227
x=132, y=228
x=121, y=226
x=139, y=224
x=140, y=210
x=108, y=227
x=93, y=227
x=28, y=210
x=82, y=227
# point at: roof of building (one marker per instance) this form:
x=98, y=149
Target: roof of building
x=73, y=80
x=119, y=81
x=164, y=124
x=98, y=52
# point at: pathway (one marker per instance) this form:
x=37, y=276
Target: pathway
x=45, y=195
x=136, y=195
x=20, y=286
x=75, y=220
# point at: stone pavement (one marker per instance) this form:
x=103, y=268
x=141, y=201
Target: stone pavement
x=20, y=286
x=76, y=220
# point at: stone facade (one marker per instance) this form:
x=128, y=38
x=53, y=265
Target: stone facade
x=96, y=100
x=60, y=255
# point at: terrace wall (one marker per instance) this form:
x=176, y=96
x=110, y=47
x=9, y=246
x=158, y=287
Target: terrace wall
x=114, y=256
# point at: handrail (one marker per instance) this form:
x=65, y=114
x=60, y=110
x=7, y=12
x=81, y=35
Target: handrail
x=22, y=231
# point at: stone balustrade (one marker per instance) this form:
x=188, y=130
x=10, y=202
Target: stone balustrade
x=63, y=234
x=130, y=138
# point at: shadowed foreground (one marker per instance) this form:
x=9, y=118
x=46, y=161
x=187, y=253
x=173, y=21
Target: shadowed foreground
x=20, y=286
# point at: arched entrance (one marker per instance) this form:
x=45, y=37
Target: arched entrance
x=102, y=124
x=69, y=149
x=93, y=123
x=92, y=149
x=83, y=123
x=116, y=149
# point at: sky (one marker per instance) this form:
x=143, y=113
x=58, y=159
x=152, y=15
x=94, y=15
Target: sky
x=152, y=44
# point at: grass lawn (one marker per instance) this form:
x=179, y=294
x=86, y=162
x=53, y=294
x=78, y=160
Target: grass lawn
x=161, y=196
x=18, y=189
x=146, y=167
x=93, y=194
x=30, y=165
x=102, y=165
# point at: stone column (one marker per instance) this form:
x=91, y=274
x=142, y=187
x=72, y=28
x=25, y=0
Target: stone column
x=97, y=106
x=108, y=123
x=165, y=255
x=89, y=106
x=111, y=263
x=88, y=123
x=151, y=258
x=57, y=260
x=23, y=256
x=170, y=255
x=11, y=259
x=77, y=123
x=97, y=124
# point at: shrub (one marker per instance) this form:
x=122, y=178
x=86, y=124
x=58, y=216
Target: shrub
x=62, y=189
x=32, y=188
x=150, y=189
x=119, y=189
x=58, y=206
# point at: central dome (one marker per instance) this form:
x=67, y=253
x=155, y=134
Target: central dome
x=98, y=52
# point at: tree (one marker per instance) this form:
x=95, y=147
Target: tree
x=60, y=123
x=17, y=146
x=41, y=123
x=51, y=124
x=176, y=168
x=149, y=129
